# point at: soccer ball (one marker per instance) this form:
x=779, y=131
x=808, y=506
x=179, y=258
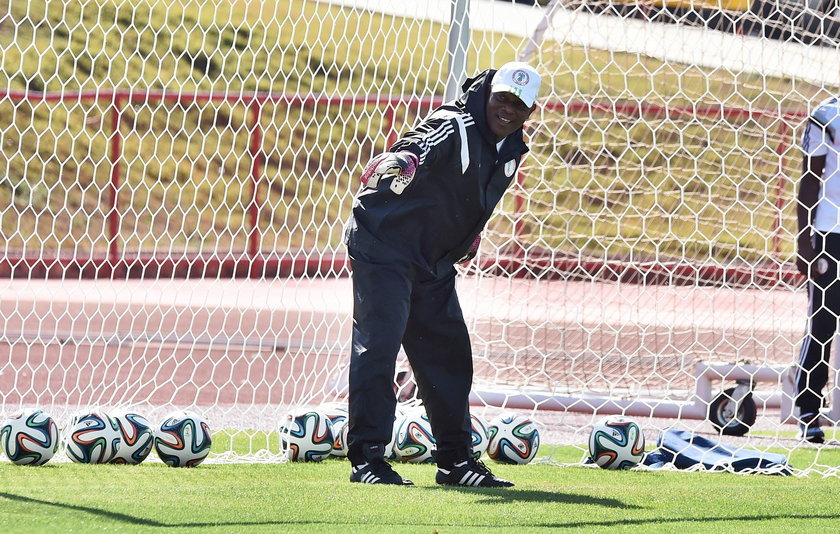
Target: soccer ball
x=390, y=450
x=337, y=414
x=307, y=437
x=29, y=437
x=478, y=431
x=92, y=438
x=137, y=437
x=514, y=439
x=403, y=410
x=414, y=441
x=340, y=439
x=616, y=442
x=183, y=439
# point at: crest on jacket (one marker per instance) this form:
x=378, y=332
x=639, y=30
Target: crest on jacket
x=510, y=168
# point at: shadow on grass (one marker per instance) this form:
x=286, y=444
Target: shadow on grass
x=95, y=511
x=134, y=520
x=499, y=495
x=532, y=496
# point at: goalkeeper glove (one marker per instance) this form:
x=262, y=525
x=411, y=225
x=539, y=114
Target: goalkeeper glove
x=399, y=166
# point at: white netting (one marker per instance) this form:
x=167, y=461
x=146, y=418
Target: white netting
x=175, y=177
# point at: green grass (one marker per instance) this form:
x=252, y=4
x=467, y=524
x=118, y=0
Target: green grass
x=814, y=461
x=318, y=498
x=552, y=494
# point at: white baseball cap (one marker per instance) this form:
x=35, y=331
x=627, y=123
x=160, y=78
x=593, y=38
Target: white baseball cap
x=519, y=78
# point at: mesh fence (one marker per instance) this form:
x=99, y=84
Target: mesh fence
x=175, y=178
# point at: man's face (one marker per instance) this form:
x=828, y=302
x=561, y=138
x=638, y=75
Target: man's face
x=506, y=113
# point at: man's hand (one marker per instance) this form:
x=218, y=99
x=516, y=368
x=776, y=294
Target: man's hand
x=399, y=166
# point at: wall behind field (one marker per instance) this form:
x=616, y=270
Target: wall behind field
x=749, y=43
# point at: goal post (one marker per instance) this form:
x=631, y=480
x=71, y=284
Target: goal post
x=175, y=179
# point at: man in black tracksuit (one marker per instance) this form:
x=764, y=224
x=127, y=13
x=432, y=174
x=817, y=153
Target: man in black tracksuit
x=421, y=209
x=818, y=258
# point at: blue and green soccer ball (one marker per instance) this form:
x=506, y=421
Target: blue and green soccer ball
x=137, y=438
x=513, y=439
x=29, y=437
x=183, y=439
x=616, y=442
x=92, y=438
x=413, y=438
x=307, y=436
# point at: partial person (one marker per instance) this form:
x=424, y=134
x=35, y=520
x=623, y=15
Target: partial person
x=817, y=256
x=421, y=210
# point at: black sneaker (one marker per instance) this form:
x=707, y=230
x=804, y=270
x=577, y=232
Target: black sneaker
x=377, y=472
x=809, y=429
x=470, y=473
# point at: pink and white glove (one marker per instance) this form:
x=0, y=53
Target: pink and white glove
x=399, y=166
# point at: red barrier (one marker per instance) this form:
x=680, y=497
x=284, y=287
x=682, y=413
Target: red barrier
x=256, y=263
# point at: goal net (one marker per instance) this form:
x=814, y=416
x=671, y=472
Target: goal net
x=175, y=178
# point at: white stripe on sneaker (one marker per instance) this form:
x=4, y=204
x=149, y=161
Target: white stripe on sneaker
x=357, y=468
x=477, y=478
x=469, y=478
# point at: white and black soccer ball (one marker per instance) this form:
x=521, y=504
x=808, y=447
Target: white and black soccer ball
x=137, y=438
x=29, y=437
x=616, y=442
x=183, y=439
x=478, y=434
x=307, y=437
x=338, y=416
x=92, y=438
x=413, y=440
x=513, y=439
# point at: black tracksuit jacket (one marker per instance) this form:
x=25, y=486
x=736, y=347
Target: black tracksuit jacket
x=460, y=180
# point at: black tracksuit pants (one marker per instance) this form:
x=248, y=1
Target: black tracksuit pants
x=395, y=303
x=823, y=313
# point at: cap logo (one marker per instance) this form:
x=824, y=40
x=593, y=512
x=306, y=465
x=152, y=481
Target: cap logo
x=520, y=77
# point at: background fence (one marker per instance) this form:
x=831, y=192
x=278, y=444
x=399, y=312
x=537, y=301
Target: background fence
x=118, y=251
